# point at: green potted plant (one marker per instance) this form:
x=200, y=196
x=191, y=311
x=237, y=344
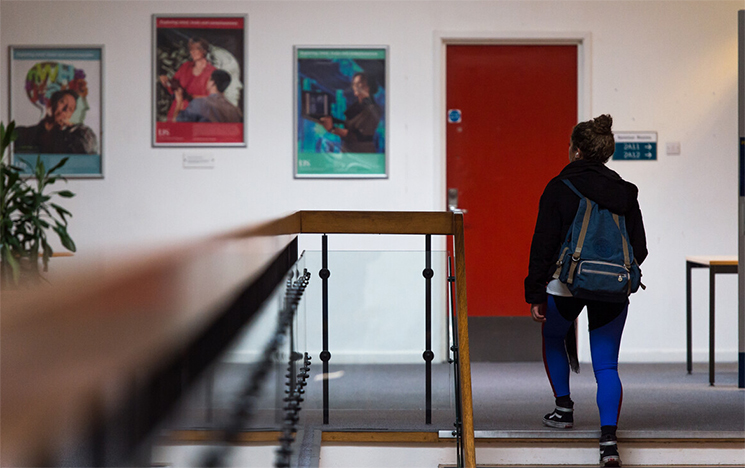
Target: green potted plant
x=26, y=214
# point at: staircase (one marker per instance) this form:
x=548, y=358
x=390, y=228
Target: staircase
x=494, y=449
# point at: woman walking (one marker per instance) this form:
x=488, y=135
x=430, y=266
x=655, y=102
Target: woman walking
x=591, y=145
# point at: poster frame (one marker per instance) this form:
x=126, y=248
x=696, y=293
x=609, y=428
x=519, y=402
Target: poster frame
x=12, y=86
x=154, y=82
x=297, y=116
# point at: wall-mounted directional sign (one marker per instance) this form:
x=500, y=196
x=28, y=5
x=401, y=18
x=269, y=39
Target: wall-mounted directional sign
x=633, y=146
x=455, y=116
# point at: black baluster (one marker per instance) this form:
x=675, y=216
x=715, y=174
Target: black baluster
x=295, y=391
x=325, y=354
x=247, y=399
x=428, y=355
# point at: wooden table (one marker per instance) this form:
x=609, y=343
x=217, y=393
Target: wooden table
x=716, y=265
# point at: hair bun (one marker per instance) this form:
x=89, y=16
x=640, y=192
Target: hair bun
x=602, y=124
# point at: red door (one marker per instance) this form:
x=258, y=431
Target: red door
x=518, y=107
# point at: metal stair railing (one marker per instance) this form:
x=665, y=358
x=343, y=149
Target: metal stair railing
x=412, y=223
x=158, y=322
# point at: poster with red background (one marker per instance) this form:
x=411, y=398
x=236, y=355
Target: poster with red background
x=199, y=80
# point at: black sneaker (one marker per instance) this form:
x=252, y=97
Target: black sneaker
x=609, y=451
x=562, y=418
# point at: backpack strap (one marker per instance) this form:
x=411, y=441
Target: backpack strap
x=585, y=220
x=582, y=232
x=574, y=189
x=581, y=239
x=560, y=262
x=626, y=259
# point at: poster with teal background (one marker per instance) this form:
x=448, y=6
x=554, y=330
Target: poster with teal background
x=341, y=119
x=56, y=102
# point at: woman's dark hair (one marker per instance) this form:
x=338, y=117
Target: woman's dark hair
x=202, y=43
x=594, y=139
x=369, y=81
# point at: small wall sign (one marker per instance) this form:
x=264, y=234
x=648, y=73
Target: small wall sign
x=455, y=116
x=635, y=146
x=199, y=161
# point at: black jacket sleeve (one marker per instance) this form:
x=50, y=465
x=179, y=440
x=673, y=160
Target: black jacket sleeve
x=544, y=247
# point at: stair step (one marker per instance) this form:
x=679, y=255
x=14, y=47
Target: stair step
x=585, y=435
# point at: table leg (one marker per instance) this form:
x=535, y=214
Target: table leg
x=712, y=276
x=689, y=334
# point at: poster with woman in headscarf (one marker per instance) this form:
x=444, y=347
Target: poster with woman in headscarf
x=198, y=87
x=341, y=112
x=56, y=102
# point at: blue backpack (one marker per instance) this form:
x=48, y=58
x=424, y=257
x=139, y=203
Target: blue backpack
x=596, y=261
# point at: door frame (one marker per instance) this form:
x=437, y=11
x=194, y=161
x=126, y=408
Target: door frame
x=583, y=41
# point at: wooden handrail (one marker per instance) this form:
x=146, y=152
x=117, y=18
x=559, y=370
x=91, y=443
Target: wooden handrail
x=79, y=340
x=352, y=222
x=361, y=222
x=464, y=354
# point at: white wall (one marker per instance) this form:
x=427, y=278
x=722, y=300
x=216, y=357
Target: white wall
x=669, y=67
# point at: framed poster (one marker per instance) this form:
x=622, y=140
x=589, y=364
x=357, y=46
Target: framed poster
x=199, y=79
x=56, y=100
x=341, y=112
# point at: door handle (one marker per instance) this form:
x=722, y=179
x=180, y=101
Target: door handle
x=453, y=201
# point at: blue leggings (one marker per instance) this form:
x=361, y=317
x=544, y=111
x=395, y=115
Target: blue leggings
x=606, y=326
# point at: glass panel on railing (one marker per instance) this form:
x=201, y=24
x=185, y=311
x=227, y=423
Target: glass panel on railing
x=377, y=333
x=251, y=375
x=377, y=340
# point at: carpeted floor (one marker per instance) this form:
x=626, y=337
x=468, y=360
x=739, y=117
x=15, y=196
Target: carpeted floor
x=661, y=399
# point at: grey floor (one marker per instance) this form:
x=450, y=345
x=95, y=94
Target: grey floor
x=658, y=399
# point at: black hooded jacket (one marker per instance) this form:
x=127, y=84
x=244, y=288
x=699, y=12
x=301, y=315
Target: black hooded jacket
x=556, y=212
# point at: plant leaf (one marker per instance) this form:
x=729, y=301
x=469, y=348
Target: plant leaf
x=40, y=168
x=47, y=254
x=16, y=269
x=63, y=213
x=66, y=240
x=58, y=165
x=7, y=136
